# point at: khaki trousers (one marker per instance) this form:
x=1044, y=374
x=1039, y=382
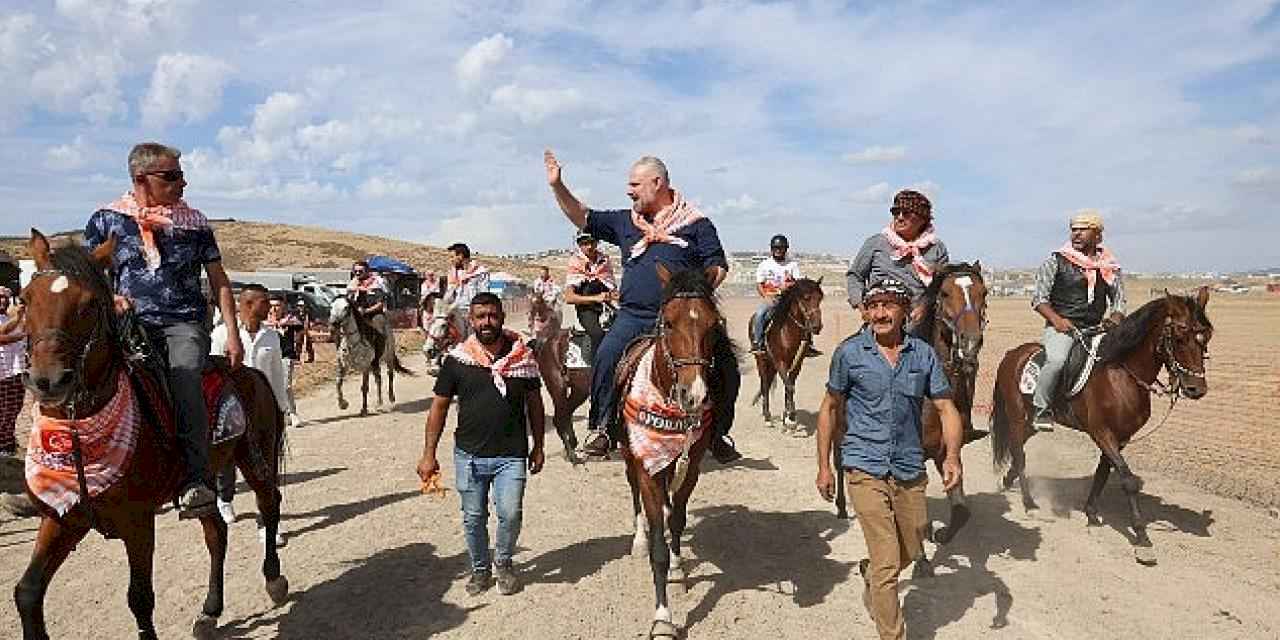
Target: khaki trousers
x=893, y=520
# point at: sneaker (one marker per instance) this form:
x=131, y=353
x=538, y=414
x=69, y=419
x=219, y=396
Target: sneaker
x=227, y=511
x=508, y=583
x=597, y=445
x=722, y=449
x=262, y=537
x=1043, y=420
x=196, y=501
x=758, y=349
x=479, y=583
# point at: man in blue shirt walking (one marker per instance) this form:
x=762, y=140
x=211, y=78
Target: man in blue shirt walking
x=661, y=227
x=879, y=380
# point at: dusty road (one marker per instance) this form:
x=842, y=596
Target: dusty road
x=369, y=557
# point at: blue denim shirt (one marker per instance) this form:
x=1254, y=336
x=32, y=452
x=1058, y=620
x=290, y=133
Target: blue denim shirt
x=883, y=403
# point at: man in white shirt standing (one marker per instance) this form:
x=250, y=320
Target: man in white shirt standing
x=773, y=276
x=466, y=279
x=12, y=393
x=262, y=352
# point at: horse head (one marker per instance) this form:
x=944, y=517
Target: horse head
x=803, y=300
x=1184, y=342
x=686, y=332
x=69, y=318
x=960, y=305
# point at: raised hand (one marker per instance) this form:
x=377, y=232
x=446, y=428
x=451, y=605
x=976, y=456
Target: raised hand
x=553, y=167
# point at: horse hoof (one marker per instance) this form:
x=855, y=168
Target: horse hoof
x=278, y=590
x=364, y=412
x=204, y=627
x=942, y=536
x=1146, y=556
x=923, y=569
x=663, y=630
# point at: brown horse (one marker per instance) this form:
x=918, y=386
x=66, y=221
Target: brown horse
x=74, y=355
x=681, y=357
x=796, y=320
x=568, y=387
x=1171, y=333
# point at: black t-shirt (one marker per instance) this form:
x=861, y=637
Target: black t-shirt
x=489, y=425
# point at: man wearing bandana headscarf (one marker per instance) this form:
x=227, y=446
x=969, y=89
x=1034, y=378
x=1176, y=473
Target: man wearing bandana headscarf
x=1077, y=287
x=906, y=250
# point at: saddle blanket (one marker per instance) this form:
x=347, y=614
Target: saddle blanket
x=657, y=429
x=227, y=419
x=1075, y=373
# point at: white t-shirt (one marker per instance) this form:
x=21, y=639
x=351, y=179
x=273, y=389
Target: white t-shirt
x=775, y=276
x=11, y=359
x=261, y=352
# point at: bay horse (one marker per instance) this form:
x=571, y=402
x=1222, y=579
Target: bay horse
x=1170, y=333
x=679, y=356
x=797, y=318
x=568, y=387
x=364, y=348
x=75, y=353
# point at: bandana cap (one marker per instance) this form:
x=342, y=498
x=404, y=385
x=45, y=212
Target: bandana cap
x=911, y=201
x=889, y=287
x=1087, y=219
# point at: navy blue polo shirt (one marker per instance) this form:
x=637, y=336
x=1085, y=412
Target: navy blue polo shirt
x=883, y=403
x=641, y=290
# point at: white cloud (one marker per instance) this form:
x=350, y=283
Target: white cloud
x=460, y=126
x=184, y=86
x=490, y=229
x=740, y=204
x=67, y=157
x=380, y=187
x=876, y=155
x=1258, y=178
x=278, y=115
x=481, y=57
x=877, y=193
x=928, y=188
x=1252, y=134
x=535, y=105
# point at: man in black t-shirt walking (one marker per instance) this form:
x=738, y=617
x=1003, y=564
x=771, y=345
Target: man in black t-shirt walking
x=495, y=377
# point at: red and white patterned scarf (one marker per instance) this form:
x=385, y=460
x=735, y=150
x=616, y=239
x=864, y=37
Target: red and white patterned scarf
x=371, y=282
x=518, y=363
x=658, y=430
x=1102, y=262
x=107, y=442
x=665, y=224
x=158, y=217
x=582, y=269
x=459, y=277
x=915, y=249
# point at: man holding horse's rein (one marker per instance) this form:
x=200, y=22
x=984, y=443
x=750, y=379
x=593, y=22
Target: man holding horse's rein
x=368, y=292
x=774, y=275
x=879, y=380
x=661, y=227
x=907, y=250
x=1077, y=287
x=161, y=246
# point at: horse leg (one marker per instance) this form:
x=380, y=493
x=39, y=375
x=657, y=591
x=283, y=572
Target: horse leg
x=364, y=393
x=677, y=521
x=1100, y=476
x=1132, y=485
x=789, y=407
x=341, y=373
x=215, y=539
x=265, y=485
x=54, y=543
x=652, y=495
x=376, y=372
x=639, y=542
x=391, y=380
x=766, y=383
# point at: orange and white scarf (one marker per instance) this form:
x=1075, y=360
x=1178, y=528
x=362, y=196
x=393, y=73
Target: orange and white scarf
x=915, y=249
x=666, y=223
x=159, y=217
x=518, y=363
x=658, y=430
x=582, y=269
x=107, y=442
x=1102, y=262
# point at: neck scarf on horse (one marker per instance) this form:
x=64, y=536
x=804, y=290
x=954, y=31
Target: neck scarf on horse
x=658, y=430
x=666, y=223
x=518, y=363
x=915, y=249
x=582, y=269
x=107, y=442
x=161, y=217
x=1101, y=262
x=460, y=277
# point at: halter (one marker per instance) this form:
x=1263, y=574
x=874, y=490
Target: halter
x=954, y=355
x=677, y=363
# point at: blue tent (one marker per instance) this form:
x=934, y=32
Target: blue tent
x=383, y=264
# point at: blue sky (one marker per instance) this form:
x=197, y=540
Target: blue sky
x=426, y=121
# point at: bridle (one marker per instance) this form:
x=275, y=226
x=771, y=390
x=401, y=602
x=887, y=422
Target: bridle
x=955, y=358
x=99, y=333
x=673, y=364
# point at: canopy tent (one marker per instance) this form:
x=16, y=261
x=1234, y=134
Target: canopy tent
x=384, y=264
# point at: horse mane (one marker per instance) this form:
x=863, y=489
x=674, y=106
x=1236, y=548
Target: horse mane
x=792, y=294
x=935, y=285
x=1120, y=341
x=690, y=282
x=74, y=261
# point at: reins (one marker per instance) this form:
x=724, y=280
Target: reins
x=1177, y=371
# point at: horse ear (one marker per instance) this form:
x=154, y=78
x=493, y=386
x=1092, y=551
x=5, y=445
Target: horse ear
x=977, y=266
x=1202, y=297
x=820, y=280
x=39, y=247
x=664, y=275
x=102, y=254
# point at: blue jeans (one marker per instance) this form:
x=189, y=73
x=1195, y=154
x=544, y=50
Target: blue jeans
x=1057, y=347
x=477, y=477
x=761, y=320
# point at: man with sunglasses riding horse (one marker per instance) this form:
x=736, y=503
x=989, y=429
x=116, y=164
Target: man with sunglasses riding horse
x=660, y=228
x=907, y=250
x=161, y=246
x=1078, y=287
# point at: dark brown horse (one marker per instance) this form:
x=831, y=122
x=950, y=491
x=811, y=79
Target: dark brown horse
x=1170, y=333
x=796, y=320
x=74, y=355
x=680, y=365
x=568, y=387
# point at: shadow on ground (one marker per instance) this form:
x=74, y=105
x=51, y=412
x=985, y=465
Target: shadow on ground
x=338, y=513
x=568, y=565
x=1065, y=495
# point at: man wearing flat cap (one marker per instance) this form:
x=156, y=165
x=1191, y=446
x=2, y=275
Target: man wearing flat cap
x=1077, y=287
x=906, y=250
x=880, y=378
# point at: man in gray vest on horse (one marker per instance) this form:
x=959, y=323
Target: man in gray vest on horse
x=1077, y=287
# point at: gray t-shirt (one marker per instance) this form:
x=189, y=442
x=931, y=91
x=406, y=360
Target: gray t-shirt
x=875, y=262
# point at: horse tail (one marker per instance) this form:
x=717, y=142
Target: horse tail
x=1000, y=436
x=400, y=368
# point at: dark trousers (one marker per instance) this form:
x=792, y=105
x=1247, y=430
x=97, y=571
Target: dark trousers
x=183, y=348
x=589, y=318
x=11, y=397
x=724, y=379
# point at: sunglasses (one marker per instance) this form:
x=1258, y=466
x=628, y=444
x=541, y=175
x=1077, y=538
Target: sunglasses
x=908, y=214
x=172, y=175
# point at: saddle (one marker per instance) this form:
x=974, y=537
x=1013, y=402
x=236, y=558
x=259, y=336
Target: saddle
x=1075, y=373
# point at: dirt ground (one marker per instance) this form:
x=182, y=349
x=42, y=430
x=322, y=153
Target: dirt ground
x=370, y=557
